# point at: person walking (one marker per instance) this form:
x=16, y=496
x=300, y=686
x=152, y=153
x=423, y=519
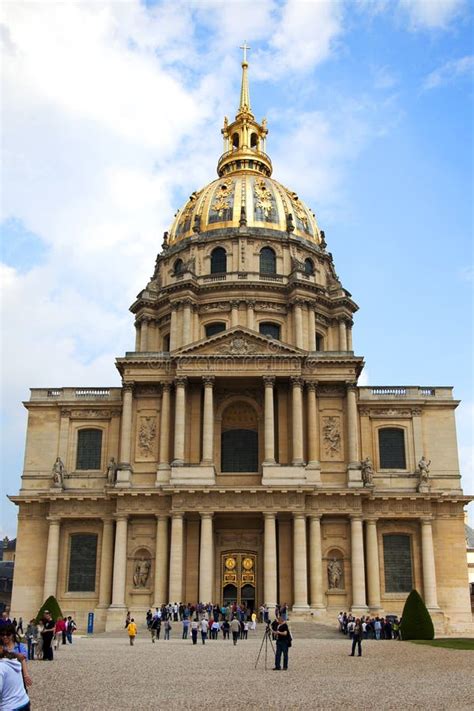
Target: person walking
x=59, y=632
x=155, y=628
x=235, y=629
x=194, y=630
x=32, y=638
x=357, y=638
x=204, y=629
x=283, y=638
x=167, y=629
x=47, y=635
x=132, y=631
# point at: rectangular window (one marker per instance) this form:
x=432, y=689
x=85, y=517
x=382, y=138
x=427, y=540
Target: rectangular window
x=397, y=563
x=89, y=449
x=82, y=562
x=392, y=448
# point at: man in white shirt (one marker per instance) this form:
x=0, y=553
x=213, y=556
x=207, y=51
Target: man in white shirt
x=204, y=628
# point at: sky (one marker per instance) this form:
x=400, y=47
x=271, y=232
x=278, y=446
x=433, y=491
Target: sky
x=111, y=117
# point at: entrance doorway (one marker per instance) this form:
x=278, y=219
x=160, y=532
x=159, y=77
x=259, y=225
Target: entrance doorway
x=239, y=579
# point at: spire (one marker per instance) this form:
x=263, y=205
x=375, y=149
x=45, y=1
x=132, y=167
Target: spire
x=245, y=107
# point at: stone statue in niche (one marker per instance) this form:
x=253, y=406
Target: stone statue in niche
x=335, y=574
x=142, y=571
x=367, y=472
x=58, y=472
x=423, y=472
x=112, y=471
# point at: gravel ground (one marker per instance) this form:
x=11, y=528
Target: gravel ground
x=105, y=672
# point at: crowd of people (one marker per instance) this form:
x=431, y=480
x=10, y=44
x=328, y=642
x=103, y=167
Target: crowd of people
x=370, y=627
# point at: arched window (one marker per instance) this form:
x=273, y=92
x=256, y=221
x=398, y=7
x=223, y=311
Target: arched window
x=218, y=261
x=319, y=342
x=392, y=448
x=166, y=343
x=267, y=261
x=253, y=140
x=235, y=141
x=269, y=329
x=308, y=267
x=82, y=562
x=178, y=266
x=89, y=449
x=213, y=328
x=397, y=563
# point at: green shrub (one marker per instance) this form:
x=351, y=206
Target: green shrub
x=52, y=605
x=416, y=620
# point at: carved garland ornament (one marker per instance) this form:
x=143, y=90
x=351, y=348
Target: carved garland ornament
x=146, y=435
x=331, y=435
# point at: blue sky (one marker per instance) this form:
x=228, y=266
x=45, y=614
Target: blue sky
x=111, y=118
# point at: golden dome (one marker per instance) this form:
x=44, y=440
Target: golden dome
x=244, y=199
x=244, y=195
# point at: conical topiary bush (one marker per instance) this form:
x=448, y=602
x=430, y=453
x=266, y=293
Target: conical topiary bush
x=52, y=605
x=416, y=620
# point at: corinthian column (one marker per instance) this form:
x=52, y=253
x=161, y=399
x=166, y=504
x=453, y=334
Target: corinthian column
x=106, y=562
x=270, y=561
x=313, y=427
x=373, y=568
x=161, y=561
x=357, y=566
x=298, y=316
x=165, y=427
x=250, y=314
x=176, y=558
x=174, y=327
x=342, y=335
x=311, y=329
x=353, y=466
x=120, y=561
x=52, y=558
x=234, y=314
x=179, y=422
x=124, y=470
x=144, y=334
x=297, y=420
x=186, y=323
x=208, y=422
x=429, y=568
x=315, y=561
x=300, y=573
x=269, y=382
x=206, y=559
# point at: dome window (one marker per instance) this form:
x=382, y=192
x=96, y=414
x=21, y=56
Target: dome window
x=267, y=261
x=178, y=267
x=270, y=329
x=308, y=267
x=218, y=261
x=213, y=328
x=319, y=342
x=235, y=141
x=254, y=141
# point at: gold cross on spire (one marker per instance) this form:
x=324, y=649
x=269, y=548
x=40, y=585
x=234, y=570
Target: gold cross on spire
x=245, y=47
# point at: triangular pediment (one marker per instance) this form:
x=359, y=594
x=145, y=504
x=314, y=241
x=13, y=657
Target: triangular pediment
x=239, y=341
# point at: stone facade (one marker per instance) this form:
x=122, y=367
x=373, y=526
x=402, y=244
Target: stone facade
x=208, y=388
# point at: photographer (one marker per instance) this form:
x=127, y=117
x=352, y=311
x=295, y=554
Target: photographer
x=283, y=637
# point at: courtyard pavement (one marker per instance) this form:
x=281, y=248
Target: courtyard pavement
x=105, y=672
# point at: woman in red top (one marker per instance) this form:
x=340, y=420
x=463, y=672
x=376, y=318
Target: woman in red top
x=59, y=632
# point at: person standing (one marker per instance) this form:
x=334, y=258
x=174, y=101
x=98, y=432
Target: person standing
x=357, y=638
x=70, y=628
x=194, y=630
x=47, y=635
x=132, y=631
x=59, y=632
x=19, y=627
x=155, y=628
x=283, y=638
x=167, y=629
x=185, y=627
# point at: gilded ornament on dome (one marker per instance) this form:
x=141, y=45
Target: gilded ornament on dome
x=263, y=197
x=223, y=198
x=247, y=563
x=230, y=563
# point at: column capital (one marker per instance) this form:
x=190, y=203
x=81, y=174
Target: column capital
x=208, y=380
x=234, y=304
x=250, y=303
x=121, y=517
x=166, y=385
x=269, y=381
x=175, y=515
x=311, y=385
x=356, y=517
x=107, y=519
x=175, y=305
x=371, y=519
x=299, y=514
x=269, y=514
x=296, y=381
x=54, y=519
x=206, y=514
x=351, y=387
x=160, y=516
x=426, y=520
x=181, y=381
x=127, y=386
x=315, y=516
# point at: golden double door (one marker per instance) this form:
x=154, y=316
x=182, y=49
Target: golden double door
x=239, y=578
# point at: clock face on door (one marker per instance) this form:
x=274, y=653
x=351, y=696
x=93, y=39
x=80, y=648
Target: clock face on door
x=247, y=563
x=230, y=563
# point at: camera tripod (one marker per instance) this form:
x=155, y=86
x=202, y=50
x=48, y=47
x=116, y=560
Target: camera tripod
x=267, y=637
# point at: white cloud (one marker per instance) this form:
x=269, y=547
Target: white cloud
x=450, y=72
x=431, y=14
